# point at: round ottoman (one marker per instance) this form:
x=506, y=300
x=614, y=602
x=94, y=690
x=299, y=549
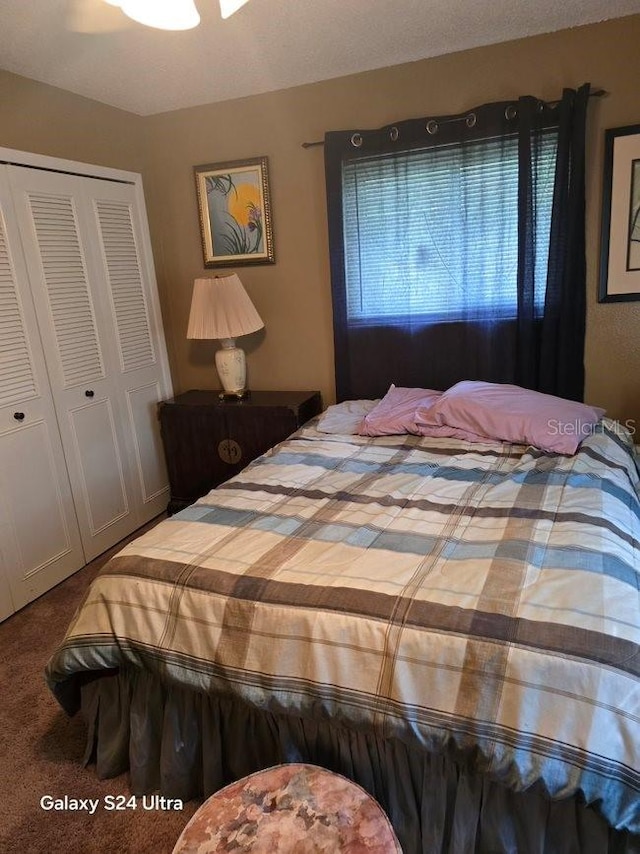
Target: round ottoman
x=289, y=809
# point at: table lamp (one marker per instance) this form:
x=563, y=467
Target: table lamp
x=221, y=308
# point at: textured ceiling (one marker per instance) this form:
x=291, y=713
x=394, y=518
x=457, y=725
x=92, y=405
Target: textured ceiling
x=89, y=47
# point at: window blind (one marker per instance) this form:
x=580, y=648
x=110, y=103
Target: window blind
x=430, y=235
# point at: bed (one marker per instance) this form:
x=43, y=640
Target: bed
x=453, y=625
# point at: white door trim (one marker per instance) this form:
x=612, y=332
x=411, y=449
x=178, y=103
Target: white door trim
x=74, y=167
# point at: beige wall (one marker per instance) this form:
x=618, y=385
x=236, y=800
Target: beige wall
x=293, y=296
x=40, y=118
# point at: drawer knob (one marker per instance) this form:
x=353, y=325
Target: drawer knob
x=19, y=416
x=229, y=451
x=89, y=392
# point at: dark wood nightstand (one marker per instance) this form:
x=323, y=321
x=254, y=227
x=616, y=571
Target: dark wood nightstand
x=207, y=440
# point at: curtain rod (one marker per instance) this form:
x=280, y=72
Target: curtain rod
x=597, y=93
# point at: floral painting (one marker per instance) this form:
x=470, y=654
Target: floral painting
x=235, y=213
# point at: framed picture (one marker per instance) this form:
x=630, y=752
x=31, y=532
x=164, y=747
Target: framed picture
x=235, y=213
x=620, y=238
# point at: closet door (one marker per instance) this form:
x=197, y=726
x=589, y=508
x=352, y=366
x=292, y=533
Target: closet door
x=123, y=262
x=87, y=249
x=70, y=304
x=39, y=538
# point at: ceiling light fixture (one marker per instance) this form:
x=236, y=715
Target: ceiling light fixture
x=162, y=14
x=228, y=7
x=170, y=14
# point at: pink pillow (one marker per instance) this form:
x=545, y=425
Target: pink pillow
x=512, y=414
x=444, y=431
x=395, y=413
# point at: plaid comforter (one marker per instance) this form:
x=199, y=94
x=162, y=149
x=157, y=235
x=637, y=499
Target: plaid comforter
x=481, y=598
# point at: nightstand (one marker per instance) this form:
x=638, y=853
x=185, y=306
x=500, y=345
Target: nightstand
x=207, y=440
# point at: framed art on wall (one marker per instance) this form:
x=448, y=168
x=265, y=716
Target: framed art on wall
x=234, y=205
x=620, y=237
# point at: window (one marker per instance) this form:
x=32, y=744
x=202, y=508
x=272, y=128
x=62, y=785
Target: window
x=457, y=248
x=432, y=234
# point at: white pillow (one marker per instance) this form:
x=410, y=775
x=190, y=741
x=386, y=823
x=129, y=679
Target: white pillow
x=346, y=417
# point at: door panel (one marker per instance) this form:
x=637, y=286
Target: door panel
x=151, y=470
x=17, y=376
x=101, y=473
x=75, y=324
x=122, y=265
x=39, y=536
x=30, y=479
x=66, y=287
x=126, y=267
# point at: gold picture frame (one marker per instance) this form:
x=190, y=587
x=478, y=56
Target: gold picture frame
x=234, y=204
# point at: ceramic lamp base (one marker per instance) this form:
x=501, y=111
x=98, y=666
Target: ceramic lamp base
x=232, y=368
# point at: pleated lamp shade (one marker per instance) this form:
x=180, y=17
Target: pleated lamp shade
x=221, y=308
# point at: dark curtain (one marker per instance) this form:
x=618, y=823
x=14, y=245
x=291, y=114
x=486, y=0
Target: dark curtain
x=539, y=342
x=561, y=359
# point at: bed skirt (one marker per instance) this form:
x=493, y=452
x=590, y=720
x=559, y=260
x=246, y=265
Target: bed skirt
x=187, y=745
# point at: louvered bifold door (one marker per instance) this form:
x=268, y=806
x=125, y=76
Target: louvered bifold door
x=140, y=355
x=72, y=311
x=39, y=539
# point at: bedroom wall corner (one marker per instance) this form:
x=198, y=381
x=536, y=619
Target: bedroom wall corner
x=47, y=120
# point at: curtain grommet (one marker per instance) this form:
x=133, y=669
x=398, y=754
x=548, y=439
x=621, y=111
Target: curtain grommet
x=471, y=120
x=356, y=140
x=432, y=127
x=393, y=134
x=510, y=112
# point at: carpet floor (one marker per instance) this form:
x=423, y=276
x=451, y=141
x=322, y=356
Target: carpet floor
x=41, y=749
